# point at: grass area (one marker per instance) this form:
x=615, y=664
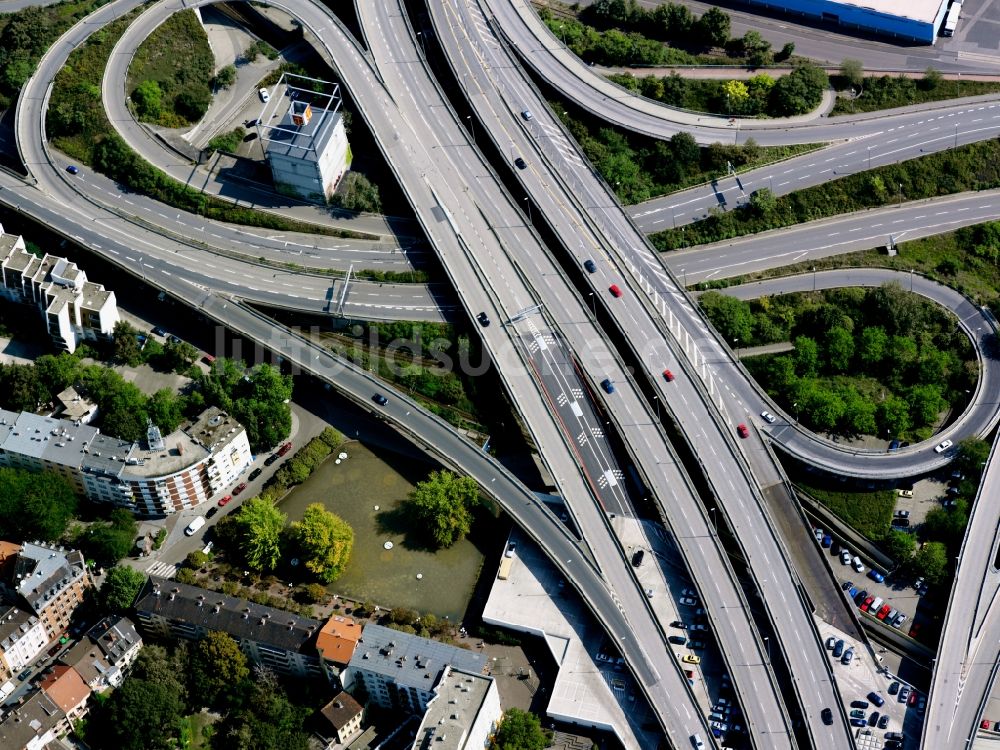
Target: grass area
x=948, y=258
x=27, y=34
x=972, y=167
x=886, y=92
x=194, y=731
x=169, y=78
x=228, y=142
x=639, y=168
x=77, y=125
x=870, y=513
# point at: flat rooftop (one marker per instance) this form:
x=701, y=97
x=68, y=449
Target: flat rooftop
x=917, y=10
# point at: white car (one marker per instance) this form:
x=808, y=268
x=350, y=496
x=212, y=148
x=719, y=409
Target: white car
x=768, y=417
x=511, y=548
x=264, y=95
x=818, y=533
x=858, y=566
x=687, y=601
x=845, y=557
x=943, y=446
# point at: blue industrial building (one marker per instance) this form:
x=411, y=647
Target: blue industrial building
x=916, y=20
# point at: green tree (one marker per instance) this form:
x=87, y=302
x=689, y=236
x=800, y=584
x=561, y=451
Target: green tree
x=177, y=356
x=731, y=317
x=786, y=52
x=519, y=730
x=926, y=402
x=123, y=412
x=325, y=540
x=166, y=410
x=898, y=545
x=192, y=102
x=148, y=100
x=126, y=345
x=806, y=356
x=442, y=506
x=853, y=72
x=931, y=561
x=893, y=415
x=932, y=79
x=140, y=715
x=763, y=201
x=216, y=664
x=685, y=149
x=58, y=372
x=737, y=96
x=35, y=505
x=264, y=719
x=839, y=349
x=260, y=525
x=873, y=346
x=107, y=543
x=757, y=49
x=226, y=77
x=971, y=456
x=20, y=388
x=120, y=587
x=713, y=27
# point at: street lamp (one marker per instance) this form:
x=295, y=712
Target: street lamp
x=736, y=345
x=796, y=407
x=472, y=128
x=767, y=644
x=900, y=193
x=911, y=279
x=814, y=278
x=593, y=303
x=657, y=402
x=142, y=269
x=715, y=524
x=527, y=202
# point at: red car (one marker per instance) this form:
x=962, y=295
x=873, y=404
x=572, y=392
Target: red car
x=284, y=449
x=742, y=431
x=615, y=291
x=239, y=488
x=913, y=698
x=667, y=375
x=883, y=612
x=984, y=724
x=868, y=600
x=225, y=500
x=914, y=630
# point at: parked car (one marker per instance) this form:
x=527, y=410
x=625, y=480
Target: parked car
x=893, y=446
x=898, y=620
x=838, y=649
x=883, y=722
x=912, y=700
x=239, y=488
x=271, y=459
x=901, y=523
x=826, y=542
x=696, y=645
x=904, y=493
x=284, y=449
x=691, y=659
x=846, y=585
x=876, y=576
x=511, y=549
x=680, y=640
x=857, y=713
x=680, y=624
x=830, y=643
x=893, y=687
x=255, y=473
x=857, y=565
x=845, y=557
x=859, y=704
x=914, y=630
x=875, y=698
x=883, y=611
x=858, y=723
x=818, y=533
x=873, y=719
x=264, y=95
x=902, y=514
x=867, y=603
x=687, y=601
x=904, y=694
x=847, y=657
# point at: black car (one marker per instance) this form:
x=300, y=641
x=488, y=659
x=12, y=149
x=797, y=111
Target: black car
x=379, y=399
x=859, y=704
x=24, y=675
x=637, y=558
x=874, y=718
x=160, y=332
x=680, y=640
x=827, y=715
x=212, y=511
x=255, y=473
x=271, y=459
x=484, y=319
x=884, y=721
x=173, y=339
x=607, y=385
x=521, y=163
x=590, y=266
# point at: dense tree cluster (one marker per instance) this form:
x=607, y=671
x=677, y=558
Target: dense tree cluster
x=324, y=541
x=879, y=361
x=520, y=730
x=35, y=505
x=121, y=586
x=258, y=399
x=624, y=20
x=107, y=542
x=167, y=684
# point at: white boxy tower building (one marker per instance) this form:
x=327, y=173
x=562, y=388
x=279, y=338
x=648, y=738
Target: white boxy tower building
x=307, y=148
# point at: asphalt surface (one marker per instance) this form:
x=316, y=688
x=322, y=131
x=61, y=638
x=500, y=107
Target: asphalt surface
x=575, y=190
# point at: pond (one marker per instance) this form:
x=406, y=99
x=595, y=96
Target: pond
x=353, y=490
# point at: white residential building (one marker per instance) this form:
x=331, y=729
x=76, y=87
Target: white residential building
x=22, y=638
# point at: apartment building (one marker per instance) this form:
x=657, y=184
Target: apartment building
x=163, y=476
x=399, y=671
x=50, y=583
x=345, y=715
x=70, y=693
x=277, y=639
x=75, y=310
x=103, y=657
x=22, y=639
x=463, y=713
x=32, y=725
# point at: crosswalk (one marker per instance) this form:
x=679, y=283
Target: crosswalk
x=162, y=570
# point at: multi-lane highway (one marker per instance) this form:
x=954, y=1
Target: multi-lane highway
x=967, y=660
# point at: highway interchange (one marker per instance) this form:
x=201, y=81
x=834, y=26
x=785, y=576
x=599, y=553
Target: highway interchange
x=482, y=237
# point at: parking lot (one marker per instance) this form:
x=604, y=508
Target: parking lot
x=865, y=675
x=678, y=608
